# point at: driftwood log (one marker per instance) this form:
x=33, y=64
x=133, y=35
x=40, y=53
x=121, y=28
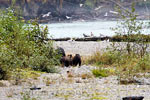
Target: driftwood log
x=83, y=39
x=61, y=39
x=133, y=98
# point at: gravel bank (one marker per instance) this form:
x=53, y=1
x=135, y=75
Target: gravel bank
x=78, y=84
x=83, y=48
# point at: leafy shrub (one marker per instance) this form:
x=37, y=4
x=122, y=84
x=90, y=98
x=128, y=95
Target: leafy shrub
x=130, y=30
x=132, y=45
x=24, y=45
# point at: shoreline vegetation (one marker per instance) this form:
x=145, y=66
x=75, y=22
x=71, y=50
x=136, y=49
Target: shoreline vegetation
x=23, y=45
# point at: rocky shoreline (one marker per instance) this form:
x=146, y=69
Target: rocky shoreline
x=79, y=84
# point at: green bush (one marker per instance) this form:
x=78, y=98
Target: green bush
x=23, y=44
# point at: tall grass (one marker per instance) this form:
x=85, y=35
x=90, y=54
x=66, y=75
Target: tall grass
x=126, y=66
x=106, y=58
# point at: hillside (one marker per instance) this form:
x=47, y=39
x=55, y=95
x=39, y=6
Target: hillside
x=62, y=10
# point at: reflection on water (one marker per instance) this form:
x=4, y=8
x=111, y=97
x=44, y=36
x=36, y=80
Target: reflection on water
x=76, y=29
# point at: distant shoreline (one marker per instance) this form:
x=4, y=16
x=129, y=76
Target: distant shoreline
x=82, y=20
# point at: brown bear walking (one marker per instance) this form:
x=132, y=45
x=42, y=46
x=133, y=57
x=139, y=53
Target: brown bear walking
x=66, y=61
x=70, y=61
x=76, y=60
x=61, y=51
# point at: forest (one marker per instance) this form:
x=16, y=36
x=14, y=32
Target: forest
x=57, y=10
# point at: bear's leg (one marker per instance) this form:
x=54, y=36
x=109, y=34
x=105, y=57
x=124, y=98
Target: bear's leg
x=80, y=63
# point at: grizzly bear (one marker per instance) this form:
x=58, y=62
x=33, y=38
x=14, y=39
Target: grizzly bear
x=61, y=51
x=76, y=60
x=66, y=61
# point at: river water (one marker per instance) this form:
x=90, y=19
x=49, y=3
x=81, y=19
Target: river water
x=77, y=29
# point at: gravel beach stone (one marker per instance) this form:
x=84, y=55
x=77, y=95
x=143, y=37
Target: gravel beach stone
x=83, y=48
x=63, y=87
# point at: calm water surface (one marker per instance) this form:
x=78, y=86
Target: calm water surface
x=76, y=29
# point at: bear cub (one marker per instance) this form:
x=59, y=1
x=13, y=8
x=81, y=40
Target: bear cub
x=70, y=61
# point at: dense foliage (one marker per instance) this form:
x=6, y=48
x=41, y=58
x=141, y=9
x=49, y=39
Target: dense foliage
x=23, y=45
